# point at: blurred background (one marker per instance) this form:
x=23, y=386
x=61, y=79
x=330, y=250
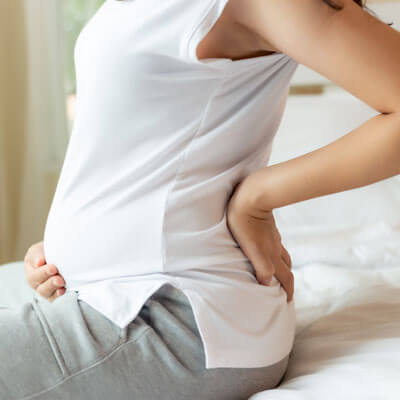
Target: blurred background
x=37, y=107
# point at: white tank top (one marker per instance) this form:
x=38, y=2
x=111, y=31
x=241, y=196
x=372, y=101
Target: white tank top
x=159, y=141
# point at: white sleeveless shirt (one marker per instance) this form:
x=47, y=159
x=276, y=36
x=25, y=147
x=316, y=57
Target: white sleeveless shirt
x=159, y=141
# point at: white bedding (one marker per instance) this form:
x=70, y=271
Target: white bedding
x=347, y=342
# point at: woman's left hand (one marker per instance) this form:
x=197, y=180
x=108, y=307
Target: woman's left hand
x=259, y=239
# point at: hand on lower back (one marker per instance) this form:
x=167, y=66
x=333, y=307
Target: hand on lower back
x=259, y=239
x=42, y=277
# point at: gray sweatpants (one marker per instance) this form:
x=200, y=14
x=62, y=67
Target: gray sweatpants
x=66, y=350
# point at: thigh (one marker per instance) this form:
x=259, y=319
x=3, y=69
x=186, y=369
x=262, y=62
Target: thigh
x=28, y=363
x=173, y=331
x=43, y=345
x=160, y=356
x=67, y=350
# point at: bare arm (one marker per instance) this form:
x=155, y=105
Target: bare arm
x=361, y=54
x=366, y=155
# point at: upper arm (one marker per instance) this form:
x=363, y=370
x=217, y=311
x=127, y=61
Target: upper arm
x=350, y=47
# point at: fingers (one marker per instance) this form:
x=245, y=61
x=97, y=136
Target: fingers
x=263, y=266
x=265, y=269
x=265, y=272
x=37, y=275
x=52, y=287
x=34, y=258
x=42, y=277
x=35, y=255
x=286, y=257
x=57, y=293
x=286, y=278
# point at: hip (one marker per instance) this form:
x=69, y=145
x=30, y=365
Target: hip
x=87, y=356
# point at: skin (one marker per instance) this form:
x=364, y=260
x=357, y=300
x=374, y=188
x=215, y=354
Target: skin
x=351, y=48
x=42, y=277
x=362, y=55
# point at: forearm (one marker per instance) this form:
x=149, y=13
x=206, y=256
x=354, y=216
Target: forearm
x=364, y=156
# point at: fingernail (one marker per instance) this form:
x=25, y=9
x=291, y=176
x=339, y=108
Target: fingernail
x=50, y=270
x=266, y=282
x=57, y=282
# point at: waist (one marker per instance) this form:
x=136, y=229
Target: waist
x=87, y=249
x=225, y=304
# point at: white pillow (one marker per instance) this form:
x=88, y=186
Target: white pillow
x=357, y=227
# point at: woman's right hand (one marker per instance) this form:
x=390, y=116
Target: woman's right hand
x=257, y=235
x=42, y=277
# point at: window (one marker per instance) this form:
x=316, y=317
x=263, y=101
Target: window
x=75, y=13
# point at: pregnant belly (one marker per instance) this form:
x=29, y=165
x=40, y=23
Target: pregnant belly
x=89, y=247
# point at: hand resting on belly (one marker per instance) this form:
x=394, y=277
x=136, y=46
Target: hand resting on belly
x=42, y=277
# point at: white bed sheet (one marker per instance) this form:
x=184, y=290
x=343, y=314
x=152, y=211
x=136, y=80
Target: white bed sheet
x=347, y=343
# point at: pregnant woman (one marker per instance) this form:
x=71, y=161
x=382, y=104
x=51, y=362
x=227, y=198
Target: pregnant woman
x=173, y=280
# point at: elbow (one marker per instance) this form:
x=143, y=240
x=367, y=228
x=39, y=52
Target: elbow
x=395, y=114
